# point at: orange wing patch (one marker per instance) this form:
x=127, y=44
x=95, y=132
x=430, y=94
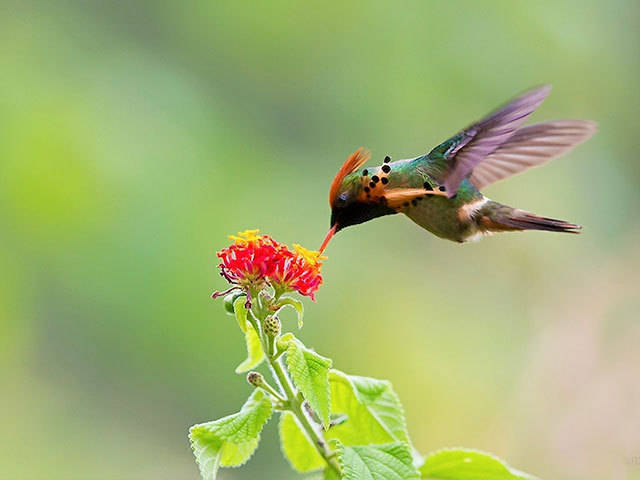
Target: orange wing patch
x=402, y=197
x=353, y=162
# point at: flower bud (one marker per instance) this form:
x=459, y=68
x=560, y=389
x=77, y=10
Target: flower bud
x=271, y=326
x=230, y=299
x=255, y=379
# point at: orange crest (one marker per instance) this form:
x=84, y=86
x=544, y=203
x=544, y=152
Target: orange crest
x=355, y=161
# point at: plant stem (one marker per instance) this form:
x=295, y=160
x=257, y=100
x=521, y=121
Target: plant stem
x=269, y=389
x=294, y=400
x=296, y=408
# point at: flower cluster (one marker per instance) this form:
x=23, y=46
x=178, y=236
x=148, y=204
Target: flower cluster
x=254, y=260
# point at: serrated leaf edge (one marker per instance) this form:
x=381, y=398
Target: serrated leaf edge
x=225, y=439
x=197, y=453
x=339, y=447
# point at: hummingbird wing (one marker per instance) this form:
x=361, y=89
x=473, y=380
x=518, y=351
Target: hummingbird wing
x=456, y=157
x=531, y=146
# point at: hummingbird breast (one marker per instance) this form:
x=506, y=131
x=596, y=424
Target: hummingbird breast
x=449, y=218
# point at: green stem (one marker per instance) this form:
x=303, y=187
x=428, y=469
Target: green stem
x=269, y=389
x=294, y=400
x=297, y=409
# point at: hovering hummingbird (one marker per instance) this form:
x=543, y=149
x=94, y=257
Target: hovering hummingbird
x=440, y=191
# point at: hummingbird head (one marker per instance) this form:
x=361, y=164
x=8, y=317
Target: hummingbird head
x=345, y=199
x=347, y=210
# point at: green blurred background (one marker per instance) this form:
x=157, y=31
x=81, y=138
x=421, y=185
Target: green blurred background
x=134, y=136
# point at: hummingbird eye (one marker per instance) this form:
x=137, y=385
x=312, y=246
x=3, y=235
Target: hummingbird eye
x=342, y=199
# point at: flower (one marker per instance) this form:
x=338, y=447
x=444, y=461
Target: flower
x=254, y=261
x=312, y=257
x=244, y=238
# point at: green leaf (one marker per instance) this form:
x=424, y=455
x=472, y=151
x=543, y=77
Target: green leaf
x=310, y=373
x=230, y=300
x=230, y=441
x=207, y=450
x=297, y=447
x=374, y=413
x=331, y=474
x=283, y=342
x=383, y=404
x=241, y=312
x=465, y=464
x=392, y=461
x=297, y=304
x=255, y=354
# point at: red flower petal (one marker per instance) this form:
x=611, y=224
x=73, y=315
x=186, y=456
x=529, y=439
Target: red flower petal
x=255, y=260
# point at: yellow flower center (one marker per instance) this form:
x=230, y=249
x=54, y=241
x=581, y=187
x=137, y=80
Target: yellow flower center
x=312, y=257
x=246, y=237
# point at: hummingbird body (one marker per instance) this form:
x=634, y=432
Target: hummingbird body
x=440, y=191
x=451, y=219
x=442, y=216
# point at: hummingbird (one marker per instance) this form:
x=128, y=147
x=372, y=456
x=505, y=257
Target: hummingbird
x=441, y=190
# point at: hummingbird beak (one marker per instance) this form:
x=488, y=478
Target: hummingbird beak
x=332, y=231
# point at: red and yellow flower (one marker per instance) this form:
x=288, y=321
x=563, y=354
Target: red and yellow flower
x=254, y=260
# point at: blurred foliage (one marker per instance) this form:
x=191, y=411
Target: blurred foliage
x=135, y=135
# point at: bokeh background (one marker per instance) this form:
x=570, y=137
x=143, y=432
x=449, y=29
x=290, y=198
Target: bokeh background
x=134, y=136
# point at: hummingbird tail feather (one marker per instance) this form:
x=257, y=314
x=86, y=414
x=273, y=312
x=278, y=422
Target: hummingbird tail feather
x=530, y=221
x=501, y=218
